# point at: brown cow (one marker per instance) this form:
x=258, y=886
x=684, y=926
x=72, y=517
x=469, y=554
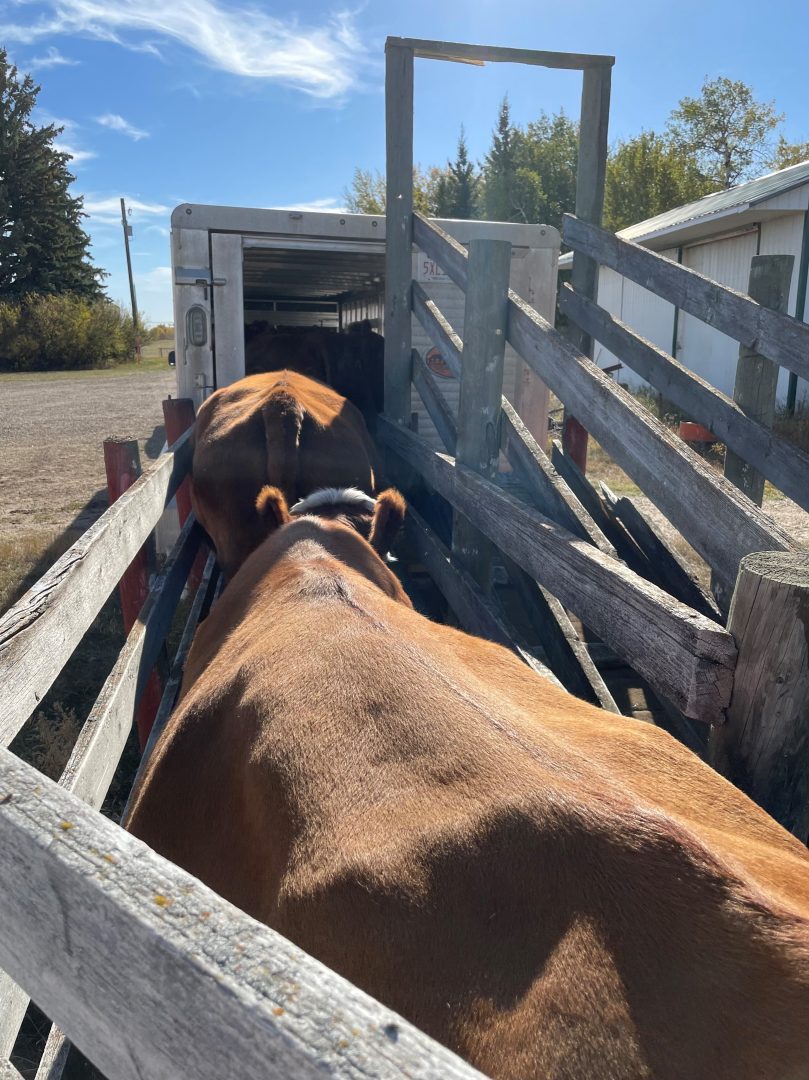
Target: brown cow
x=352, y=362
x=280, y=428
x=550, y=890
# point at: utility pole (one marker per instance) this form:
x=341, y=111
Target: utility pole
x=135, y=319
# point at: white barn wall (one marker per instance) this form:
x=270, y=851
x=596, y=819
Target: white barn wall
x=707, y=351
x=783, y=236
x=646, y=313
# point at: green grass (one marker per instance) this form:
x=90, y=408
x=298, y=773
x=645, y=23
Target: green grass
x=151, y=362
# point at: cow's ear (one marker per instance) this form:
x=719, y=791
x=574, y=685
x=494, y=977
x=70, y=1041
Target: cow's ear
x=272, y=509
x=389, y=515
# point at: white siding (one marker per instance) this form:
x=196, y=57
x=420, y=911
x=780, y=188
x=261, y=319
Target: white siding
x=646, y=313
x=707, y=351
x=783, y=236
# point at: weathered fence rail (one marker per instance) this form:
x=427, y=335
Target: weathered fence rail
x=174, y=981
x=780, y=338
x=39, y=633
x=713, y=515
x=783, y=463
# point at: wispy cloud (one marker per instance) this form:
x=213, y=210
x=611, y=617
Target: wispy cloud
x=332, y=204
x=323, y=61
x=53, y=58
x=106, y=210
x=77, y=156
x=117, y=123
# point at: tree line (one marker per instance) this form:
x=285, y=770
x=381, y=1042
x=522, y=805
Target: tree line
x=53, y=309
x=711, y=142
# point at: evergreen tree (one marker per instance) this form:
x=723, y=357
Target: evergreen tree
x=456, y=187
x=500, y=169
x=43, y=248
x=646, y=176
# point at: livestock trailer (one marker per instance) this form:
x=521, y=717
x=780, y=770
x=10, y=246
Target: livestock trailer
x=234, y=268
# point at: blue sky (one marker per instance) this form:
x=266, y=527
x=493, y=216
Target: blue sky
x=168, y=101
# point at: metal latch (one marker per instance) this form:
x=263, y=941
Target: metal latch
x=187, y=275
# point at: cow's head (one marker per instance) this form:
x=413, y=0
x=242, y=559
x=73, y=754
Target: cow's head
x=378, y=521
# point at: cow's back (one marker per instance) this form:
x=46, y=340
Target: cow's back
x=279, y=428
x=550, y=890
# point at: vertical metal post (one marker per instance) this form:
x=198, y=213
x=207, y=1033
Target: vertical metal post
x=481, y=389
x=590, y=177
x=135, y=317
x=398, y=228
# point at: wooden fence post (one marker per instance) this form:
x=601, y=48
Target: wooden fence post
x=481, y=389
x=122, y=466
x=590, y=178
x=398, y=229
x=757, y=377
x=764, y=746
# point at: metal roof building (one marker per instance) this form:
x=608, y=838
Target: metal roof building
x=717, y=236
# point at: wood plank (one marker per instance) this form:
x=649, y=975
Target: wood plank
x=202, y=600
x=438, y=329
x=481, y=389
x=526, y=457
x=757, y=377
x=682, y=654
x=783, y=463
x=94, y=892
x=764, y=747
x=669, y=570
x=100, y=743
x=780, y=338
x=398, y=227
x=434, y=402
x=476, y=612
x=714, y=516
x=624, y=545
x=9, y=1072
x=92, y=764
x=54, y=1056
x=453, y=50
x=38, y=634
x=552, y=493
x=566, y=652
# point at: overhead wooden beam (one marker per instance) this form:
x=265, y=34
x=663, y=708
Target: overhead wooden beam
x=462, y=53
x=779, y=337
x=783, y=463
x=682, y=654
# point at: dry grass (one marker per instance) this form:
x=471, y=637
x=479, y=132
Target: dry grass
x=25, y=556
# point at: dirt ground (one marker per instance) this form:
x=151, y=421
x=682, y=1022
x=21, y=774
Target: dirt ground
x=51, y=435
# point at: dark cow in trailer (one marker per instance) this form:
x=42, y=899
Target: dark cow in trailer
x=350, y=361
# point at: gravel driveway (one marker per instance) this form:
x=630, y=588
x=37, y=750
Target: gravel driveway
x=51, y=435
